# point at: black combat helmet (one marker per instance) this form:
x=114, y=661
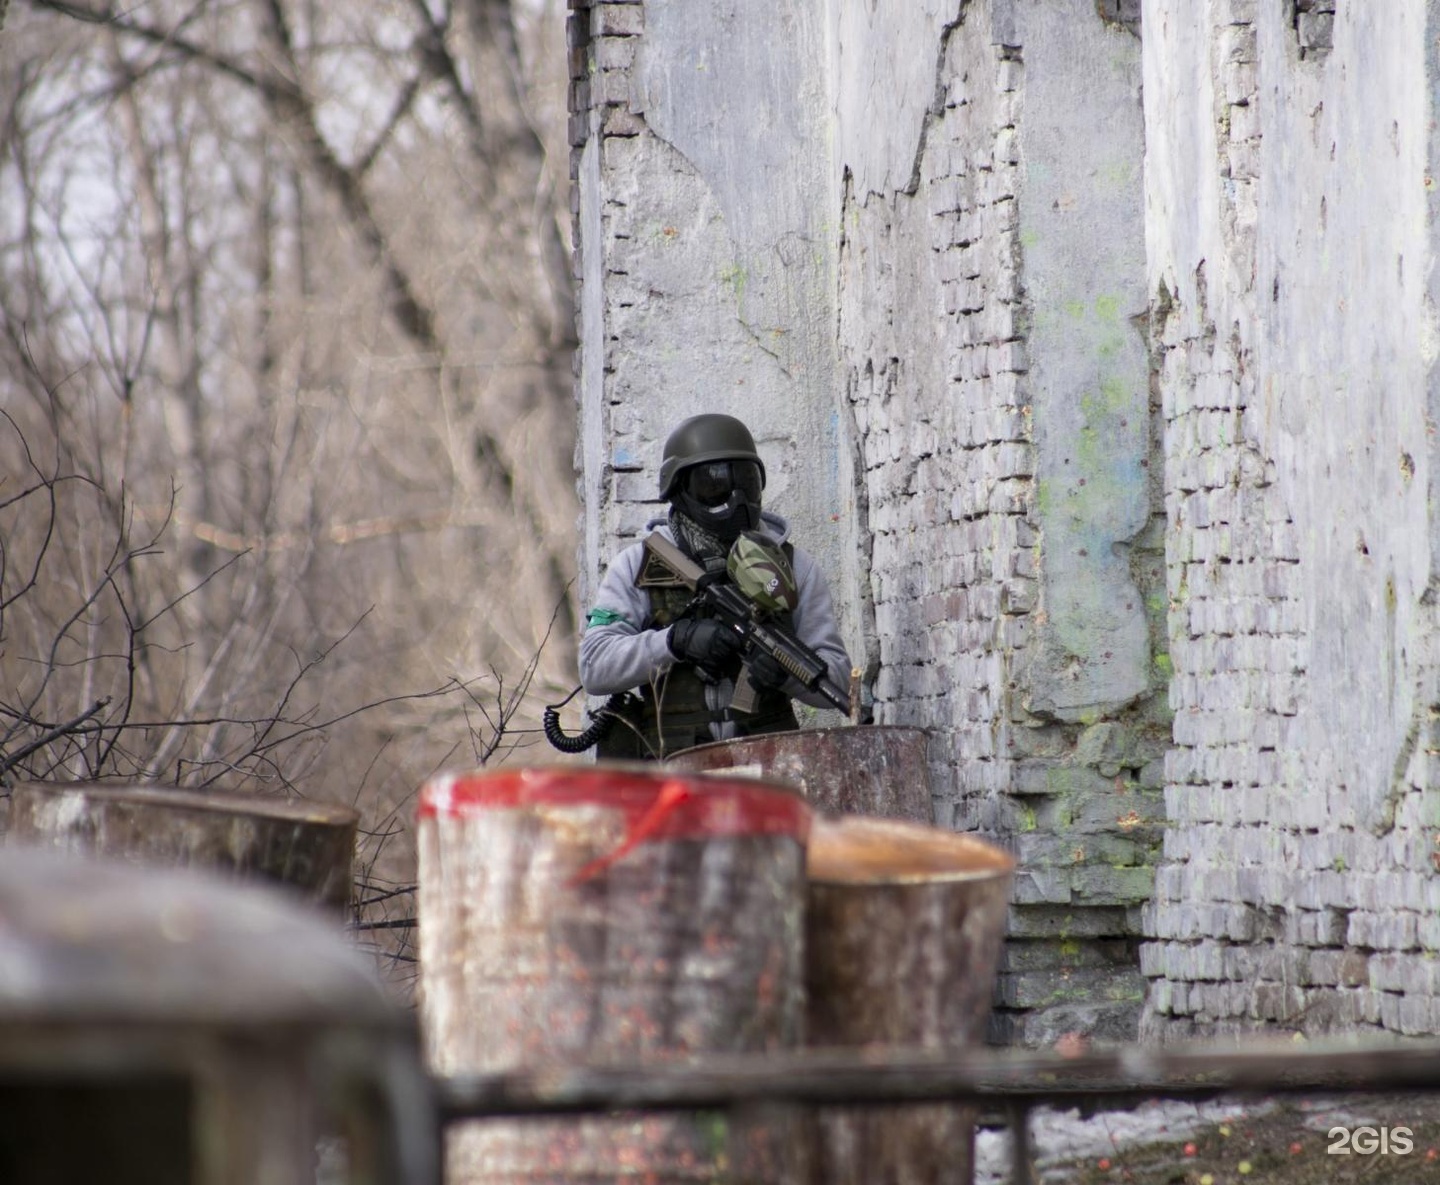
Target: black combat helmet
x=707, y=437
x=712, y=473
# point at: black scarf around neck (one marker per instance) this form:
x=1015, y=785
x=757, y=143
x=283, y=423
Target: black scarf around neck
x=703, y=546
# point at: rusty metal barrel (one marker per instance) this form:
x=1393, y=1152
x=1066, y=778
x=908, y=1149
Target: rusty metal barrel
x=307, y=847
x=904, y=927
x=872, y=769
x=611, y=913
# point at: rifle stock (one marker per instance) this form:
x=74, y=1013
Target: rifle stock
x=673, y=558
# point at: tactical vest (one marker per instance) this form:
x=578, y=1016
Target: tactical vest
x=670, y=713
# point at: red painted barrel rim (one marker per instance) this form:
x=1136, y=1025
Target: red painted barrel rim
x=696, y=806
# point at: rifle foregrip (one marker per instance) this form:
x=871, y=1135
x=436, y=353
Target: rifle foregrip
x=794, y=666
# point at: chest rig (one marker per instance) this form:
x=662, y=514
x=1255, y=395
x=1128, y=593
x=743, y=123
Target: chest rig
x=671, y=713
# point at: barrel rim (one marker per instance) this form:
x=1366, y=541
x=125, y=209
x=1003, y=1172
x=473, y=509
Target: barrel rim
x=772, y=737
x=727, y=806
x=999, y=866
x=102, y=941
x=145, y=794
x=911, y=880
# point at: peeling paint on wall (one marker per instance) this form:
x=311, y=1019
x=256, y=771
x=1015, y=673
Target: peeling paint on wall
x=1130, y=504
x=1289, y=147
x=958, y=388
x=1080, y=207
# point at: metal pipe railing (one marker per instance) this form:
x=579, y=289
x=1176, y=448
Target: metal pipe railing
x=1009, y=1082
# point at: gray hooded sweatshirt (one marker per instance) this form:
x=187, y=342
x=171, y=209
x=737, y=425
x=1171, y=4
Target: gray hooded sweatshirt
x=620, y=651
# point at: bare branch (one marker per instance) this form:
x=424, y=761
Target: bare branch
x=397, y=116
x=60, y=730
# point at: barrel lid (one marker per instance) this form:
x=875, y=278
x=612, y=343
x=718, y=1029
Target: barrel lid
x=94, y=941
x=661, y=803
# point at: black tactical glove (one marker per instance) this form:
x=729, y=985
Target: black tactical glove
x=705, y=642
x=766, y=672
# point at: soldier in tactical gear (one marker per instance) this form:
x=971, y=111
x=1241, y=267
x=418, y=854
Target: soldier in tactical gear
x=643, y=634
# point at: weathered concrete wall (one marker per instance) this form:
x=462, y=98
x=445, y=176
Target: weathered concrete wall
x=1084, y=266
x=1094, y=721
x=991, y=277
x=931, y=341
x=1291, y=231
x=703, y=222
x=905, y=242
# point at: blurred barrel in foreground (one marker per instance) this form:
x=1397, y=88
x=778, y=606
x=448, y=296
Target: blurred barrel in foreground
x=869, y=769
x=611, y=913
x=307, y=847
x=904, y=927
x=161, y=1025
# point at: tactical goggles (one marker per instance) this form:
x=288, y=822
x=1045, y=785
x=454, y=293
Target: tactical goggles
x=712, y=483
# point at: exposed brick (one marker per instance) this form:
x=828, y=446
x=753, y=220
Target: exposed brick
x=610, y=88
x=618, y=121
x=617, y=19
x=613, y=53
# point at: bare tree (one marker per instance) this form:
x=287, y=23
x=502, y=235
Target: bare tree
x=285, y=337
